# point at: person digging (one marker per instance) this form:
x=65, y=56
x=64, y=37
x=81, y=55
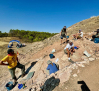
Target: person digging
x=69, y=50
x=13, y=63
x=63, y=34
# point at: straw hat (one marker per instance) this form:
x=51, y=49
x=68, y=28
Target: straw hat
x=70, y=41
x=49, y=62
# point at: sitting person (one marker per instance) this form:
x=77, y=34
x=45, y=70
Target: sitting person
x=79, y=35
x=69, y=49
x=96, y=36
x=52, y=67
x=19, y=45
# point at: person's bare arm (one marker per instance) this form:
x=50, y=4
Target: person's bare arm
x=60, y=33
x=67, y=49
x=66, y=33
x=97, y=36
x=73, y=48
x=2, y=63
x=78, y=33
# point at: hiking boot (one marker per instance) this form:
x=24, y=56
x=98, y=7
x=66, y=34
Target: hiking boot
x=23, y=75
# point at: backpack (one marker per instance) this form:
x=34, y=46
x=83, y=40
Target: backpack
x=63, y=31
x=50, y=84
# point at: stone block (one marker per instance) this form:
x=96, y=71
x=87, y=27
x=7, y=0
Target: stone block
x=91, y=59
x=74, y=75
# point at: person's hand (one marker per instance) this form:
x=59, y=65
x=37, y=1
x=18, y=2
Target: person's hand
x=98, y=36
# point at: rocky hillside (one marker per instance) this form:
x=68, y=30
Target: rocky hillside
x=87, y=25
x=68, y=73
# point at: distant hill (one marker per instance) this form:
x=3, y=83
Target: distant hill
x=87, y=25
x=27, y=36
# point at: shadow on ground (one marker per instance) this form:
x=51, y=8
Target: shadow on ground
x=50, y=84
x=84, y=87
x=32, y=64
x=28, y=69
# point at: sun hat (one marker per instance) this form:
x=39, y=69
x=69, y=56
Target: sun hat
x=49, y=62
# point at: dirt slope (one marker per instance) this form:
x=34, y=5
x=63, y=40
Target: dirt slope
x=89, y=75
x=84, y=68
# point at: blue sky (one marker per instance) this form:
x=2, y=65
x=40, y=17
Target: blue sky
x=45, y=15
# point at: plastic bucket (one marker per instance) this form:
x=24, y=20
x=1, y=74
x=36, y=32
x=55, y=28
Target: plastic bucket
x=20, y=86
x=51, y=55
x=67, y=37
x=96, y=40
x=75, y=47
x=9, y=85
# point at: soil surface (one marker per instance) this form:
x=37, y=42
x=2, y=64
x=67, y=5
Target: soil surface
x=89, y=74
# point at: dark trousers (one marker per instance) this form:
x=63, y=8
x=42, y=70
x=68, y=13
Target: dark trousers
x=94, y=36
x=12, y=71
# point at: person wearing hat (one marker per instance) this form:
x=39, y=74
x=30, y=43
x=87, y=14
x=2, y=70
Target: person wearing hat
x=13, y=63
x=52, y=67
x=63, y=33
x=96, y=36
x=79, y=35
x=69, y=49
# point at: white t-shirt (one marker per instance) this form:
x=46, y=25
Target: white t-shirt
x=81, y=34
x=69, y=46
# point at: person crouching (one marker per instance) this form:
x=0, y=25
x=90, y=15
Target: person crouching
x=69, y=49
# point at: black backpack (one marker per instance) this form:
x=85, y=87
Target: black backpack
x=50, y=84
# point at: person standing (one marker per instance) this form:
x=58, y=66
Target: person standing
x=63, y=34
x=13, y=63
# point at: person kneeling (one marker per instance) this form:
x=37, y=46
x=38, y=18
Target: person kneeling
x=52, y=67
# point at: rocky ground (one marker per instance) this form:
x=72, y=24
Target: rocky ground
x=84, y=68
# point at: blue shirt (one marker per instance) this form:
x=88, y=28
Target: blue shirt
x=52, y=69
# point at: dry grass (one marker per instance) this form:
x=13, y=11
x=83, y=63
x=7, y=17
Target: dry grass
x=87, y=25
